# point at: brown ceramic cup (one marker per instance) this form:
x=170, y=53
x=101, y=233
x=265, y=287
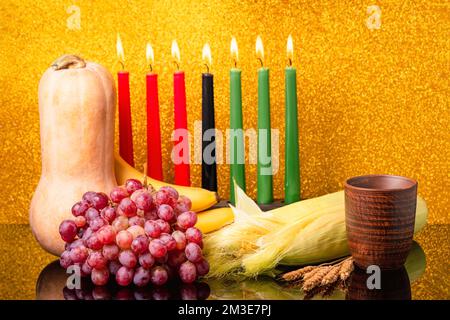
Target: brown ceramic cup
x=380, y=212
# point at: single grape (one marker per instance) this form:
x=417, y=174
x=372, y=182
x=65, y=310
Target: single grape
x=173, y=194
x=194, y=235
x=101, y=293
x=188, y=291
x=86, y=269
x=113, y=266
x=136, y=231
x=79, y=254
x=127, y=207
x=65, y=260
x=164, y=226
x=97, y=223
x=111, y=251
x=128, y=259
x=88, y=196
x=132, y=185
x=99, y=200
x=161, y=197
x=91, y=214
x=166, y=213
x=202, y=267
x=168, y=241
x=193, y=252
x=140, y=244
x=118, y=193
x=187, y=272
x=80, y=221
x=124, y=276
x=68, y=230
x=152, y=229
x=203, y=290
x=79, y=208
x=157, y=248
x=100, y=277
x=141, y=277
x=106, y=234
x=180, y=239
x=151, y=215
x=120, y=223
x=183, y=204
x=124, y=239
x=146, y=260
x=94, y=242
x=96, y=260
x=187, y=219
x=176, y=258
x=158, y=276
x=136, y=221
x=108, y=213
x=144, y=201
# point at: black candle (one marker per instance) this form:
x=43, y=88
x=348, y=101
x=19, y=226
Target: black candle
x=209, y=171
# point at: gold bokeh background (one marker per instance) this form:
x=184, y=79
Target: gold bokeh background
x=370, y=100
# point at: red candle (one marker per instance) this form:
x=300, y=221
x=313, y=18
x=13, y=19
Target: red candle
x=125, y=130
x=181, y=156
x=153, y=126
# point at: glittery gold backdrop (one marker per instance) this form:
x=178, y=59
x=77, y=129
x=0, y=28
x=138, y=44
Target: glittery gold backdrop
x=373, y=85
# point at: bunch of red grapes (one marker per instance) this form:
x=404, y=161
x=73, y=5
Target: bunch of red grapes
x=137, y=235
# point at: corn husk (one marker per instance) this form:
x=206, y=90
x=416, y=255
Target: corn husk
x=306, y=232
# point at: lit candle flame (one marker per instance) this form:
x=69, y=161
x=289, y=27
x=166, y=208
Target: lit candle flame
x=259, y=49
x=149, y=55
x=119, y=48
x=290, y=50
x=206, y=56
x=234, y=50
x=175, y=52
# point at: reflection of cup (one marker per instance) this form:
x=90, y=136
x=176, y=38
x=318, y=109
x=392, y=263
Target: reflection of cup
x=380, y=211
x=394, y=285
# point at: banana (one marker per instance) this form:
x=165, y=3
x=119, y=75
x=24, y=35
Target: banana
x=201, y=199
x=214, y=219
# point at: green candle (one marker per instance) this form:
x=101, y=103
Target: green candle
x=237, y=158
x=264, y=166
x=292, y=163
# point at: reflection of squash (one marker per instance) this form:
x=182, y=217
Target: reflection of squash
x=77, y=109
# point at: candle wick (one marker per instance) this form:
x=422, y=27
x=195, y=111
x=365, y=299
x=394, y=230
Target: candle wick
x=235, y=63
x=151, y=67
x=122, y=64
x=176, y=63
x=290, y=62
x=260, y=60
x=207, y=68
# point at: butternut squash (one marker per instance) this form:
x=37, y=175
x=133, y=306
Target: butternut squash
x=77, y=110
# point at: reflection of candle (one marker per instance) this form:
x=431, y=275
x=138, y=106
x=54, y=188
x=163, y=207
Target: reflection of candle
x=292, y=170
x=182, y=171
x=237, y=168
x=154, y=162
x=209, y=171
x=125, y=130
x=264, y=171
